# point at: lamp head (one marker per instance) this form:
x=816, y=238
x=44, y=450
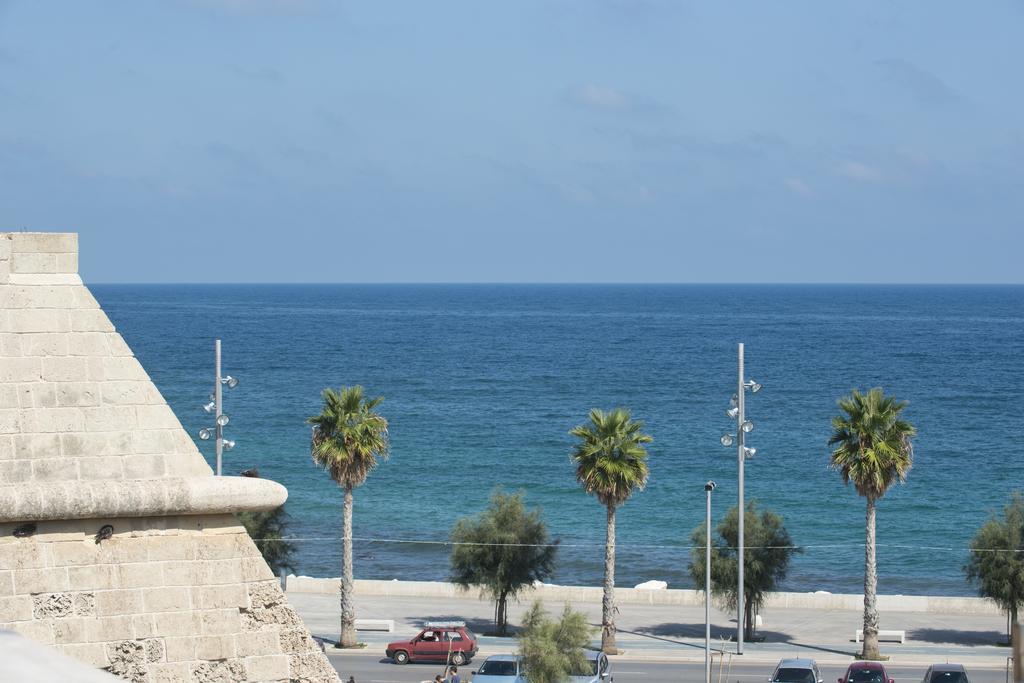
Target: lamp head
x=230, y=381
x=710, y=486
x=209, y=407
x=753, y=386
x=732, y=412
x=749, y=452
x=222, y=420
x=747, y=426
x=228, y=444
x=205, y=433
x=727, y=439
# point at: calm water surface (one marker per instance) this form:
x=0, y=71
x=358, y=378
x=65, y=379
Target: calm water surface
x=483, y=382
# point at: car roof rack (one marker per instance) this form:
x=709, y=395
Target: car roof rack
x=444, y=624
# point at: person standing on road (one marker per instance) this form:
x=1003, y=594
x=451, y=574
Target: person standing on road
x=453, y=675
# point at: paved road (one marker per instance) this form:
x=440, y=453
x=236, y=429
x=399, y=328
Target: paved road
x=371, y=668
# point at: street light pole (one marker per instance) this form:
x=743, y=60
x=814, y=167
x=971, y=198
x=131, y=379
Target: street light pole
x=218, y=443
x=740, y=457
x=708, y=488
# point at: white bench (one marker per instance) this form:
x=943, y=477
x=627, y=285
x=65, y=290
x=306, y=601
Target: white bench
x=375, y=625
x=883, y=635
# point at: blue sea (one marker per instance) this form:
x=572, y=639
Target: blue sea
x=483, y=382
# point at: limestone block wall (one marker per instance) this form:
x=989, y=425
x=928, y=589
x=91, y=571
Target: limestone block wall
x=178, y=592
x=166, y=599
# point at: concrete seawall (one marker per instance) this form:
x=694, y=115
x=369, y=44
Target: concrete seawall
x=671, y=596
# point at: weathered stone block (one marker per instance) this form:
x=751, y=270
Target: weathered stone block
x=296, y=641
x=122, y=367
x=216, y=572
x=57, y=369
x=78, y=394
x=156, y=417
x=10, y=344
x=37, y=445
x=34, y=263
x=169, y=672
x=311, y=667
x=103, y=629
x=22, y=370
x=144, y=625
x=93, y=654
x=9, y=396
x=22, y=554
x=43, y=243
x=111, y=603
x=97, y=577
x=6, y=582
x=110, y=418
x=15, y=471
x=48, y=580
x=258, y=643
x=83, y=297
x=128, y=392
x=267, y=668
x=52, y=605
x=39, y=631
x=38, y=320
x=16, y=608
x=150, y=466
x=117, y=345
x=54, y=469
x=45, y=344
x=179, y=649
x=177, y=623
x=139, y=575
x=218, y=672
x=67, y=263
x=71, y=630
x=215, y=647
x=153, y=441
x=109, y=467
x=75, y=553
x=51, y=420
x=220, y=597
x=89, y=320
x=167, y=599
x=127, y=660
x=220, y=622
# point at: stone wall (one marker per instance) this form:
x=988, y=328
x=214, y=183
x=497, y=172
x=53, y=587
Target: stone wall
x=168, y=599
x=178, y=591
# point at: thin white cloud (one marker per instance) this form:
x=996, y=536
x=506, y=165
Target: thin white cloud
x=600, y=97
x=797, y=186
x=924, y=86
x=855, y=170
x=606, y=99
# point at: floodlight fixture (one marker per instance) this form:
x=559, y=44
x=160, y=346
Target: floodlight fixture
x=205, y=433
x=728, y=439
x=747, y=426
x=223, y=420
x=733, y=412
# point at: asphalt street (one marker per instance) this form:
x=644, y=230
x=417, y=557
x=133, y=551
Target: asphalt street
x=372, y=668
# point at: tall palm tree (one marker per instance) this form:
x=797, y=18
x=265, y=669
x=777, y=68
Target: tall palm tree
x=873, y=450
x=611, y=463
x=348, y=439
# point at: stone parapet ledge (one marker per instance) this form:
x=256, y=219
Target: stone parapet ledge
x=103, y=499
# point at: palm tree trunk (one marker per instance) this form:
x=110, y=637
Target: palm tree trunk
x=870, y=586
x=348, y=608
x=608, y=600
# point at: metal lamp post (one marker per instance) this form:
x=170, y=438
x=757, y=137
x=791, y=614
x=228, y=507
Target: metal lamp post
x=737, y=410
x=220, y=420
x=708, y=488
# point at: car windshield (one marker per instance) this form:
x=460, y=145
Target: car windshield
x=866, y=676
x=469, y=634
x=493, y=667
x=794, y=676
x=948, y=677
x=588, y=668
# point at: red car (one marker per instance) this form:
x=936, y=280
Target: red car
x=451, y=642
x=866, y=672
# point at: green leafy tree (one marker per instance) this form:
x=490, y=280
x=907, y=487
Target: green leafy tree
x=611, y=463
x=268, y=530
x=553, y=650
x=997, y=558
x=873, y=450
x=769, y=549
x=502, y=549
x=349, y=438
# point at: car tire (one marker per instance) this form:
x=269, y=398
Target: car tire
x=401, y=657
x=458, y=659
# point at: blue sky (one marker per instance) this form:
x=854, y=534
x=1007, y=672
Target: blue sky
x=559, y=141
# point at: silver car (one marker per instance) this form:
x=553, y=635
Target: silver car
x=500, y=669
x=598, y=669
x=796, y=671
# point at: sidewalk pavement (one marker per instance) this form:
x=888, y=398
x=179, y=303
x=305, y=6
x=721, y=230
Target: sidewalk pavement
x=674, y=633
